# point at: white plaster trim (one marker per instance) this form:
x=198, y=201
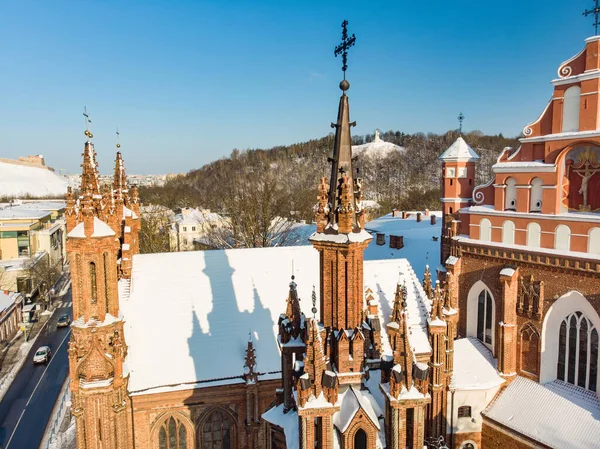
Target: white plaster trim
x=568, y=217
x=564, y=306
x=562, y=136
x=454, y=200
x=512, y=168
x=587, y=75
x=478, y=195
x=581, y=95
x=512, y=155
x=527, y=131
x=549, y=187
x=564, y=70
x=523, y=186
x=500, y=186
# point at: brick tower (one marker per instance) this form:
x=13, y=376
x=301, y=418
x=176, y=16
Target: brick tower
x=458, y=182
x=97, y=347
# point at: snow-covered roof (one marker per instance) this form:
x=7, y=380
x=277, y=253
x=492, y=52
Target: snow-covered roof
x=51, y=205
x=22, y=180
x=216, y=297
x=101, y=229
x=129, y=213
x=474, y=366
x=556, y=414
x=195, y=216
x=8, y=299
x=376, y=147
x=287, y=421
x=459, y=151
x=18, y=213
x=351, y=401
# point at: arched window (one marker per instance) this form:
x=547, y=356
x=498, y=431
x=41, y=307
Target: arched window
x=216, y=431
x=464, y=411
x=510, y=202
x=578, y=351
x=508, y=232
x=594, y=241
x=484, y=317
x=530, y=350
x=485, y=230
x=172, y=435
x=105, y=258
x=570, y=121
x=562, y=238
x=534, y=235
x=535, y=197
x=93, y=285
x=360, y=439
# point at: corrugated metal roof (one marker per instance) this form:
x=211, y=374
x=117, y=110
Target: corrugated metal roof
x=557, y=414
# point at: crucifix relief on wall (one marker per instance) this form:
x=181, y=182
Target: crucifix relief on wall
x=583, y=165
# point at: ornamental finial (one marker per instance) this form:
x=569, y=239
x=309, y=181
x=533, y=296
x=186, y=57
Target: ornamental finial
x=87, y=123
x=342, y=49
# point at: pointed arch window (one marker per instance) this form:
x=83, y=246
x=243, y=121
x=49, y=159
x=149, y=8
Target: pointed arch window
x=172, y=435
x=217, y=431
x=105, y=257
x=93, y=284
x=530, y=349
x=484, y=317
x=360, y=439
x=578, y=351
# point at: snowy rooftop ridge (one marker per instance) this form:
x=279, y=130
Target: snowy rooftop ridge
x=101, y=229
x=556, y=413
x=459, y=151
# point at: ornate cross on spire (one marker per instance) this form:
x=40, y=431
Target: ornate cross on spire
x=87, y=123
x=342, y=49
x=118, y=135
x=460, y=118
x=595, y=11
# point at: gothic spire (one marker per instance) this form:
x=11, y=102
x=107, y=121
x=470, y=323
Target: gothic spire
x=293, y=308
x=250, y=375
x=119, y=177
x=90, y=179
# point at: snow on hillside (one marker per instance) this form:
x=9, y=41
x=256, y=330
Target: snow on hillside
x=376, y=147
x=20, y=181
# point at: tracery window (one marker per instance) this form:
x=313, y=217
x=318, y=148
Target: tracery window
x=484, y=317
x=578, y=351
x=216, y=432
x=93, y=282
x=105, y=257
x=172, y=435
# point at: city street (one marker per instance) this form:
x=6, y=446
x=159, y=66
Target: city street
x=27, y=405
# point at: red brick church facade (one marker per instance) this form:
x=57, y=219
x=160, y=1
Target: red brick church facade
x=522, y=261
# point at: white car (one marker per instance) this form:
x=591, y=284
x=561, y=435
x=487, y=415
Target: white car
x=42, y=355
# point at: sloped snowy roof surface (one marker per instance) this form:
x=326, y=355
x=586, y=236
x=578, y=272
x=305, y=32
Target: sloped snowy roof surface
x=557, y=414
x=187, y=308
x=474, y=366
x=459, y=150
x=20, y=180
x=101, y=229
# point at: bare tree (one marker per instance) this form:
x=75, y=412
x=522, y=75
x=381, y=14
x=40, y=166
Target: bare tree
x=43, y=275
x=154, y=230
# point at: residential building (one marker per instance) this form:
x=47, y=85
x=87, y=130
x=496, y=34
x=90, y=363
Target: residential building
x=11, y=304
x=192, y=228
x=32, y=245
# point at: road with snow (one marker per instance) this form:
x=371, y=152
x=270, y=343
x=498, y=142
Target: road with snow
x=27, y=405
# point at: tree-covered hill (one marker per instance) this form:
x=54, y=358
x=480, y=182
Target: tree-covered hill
x=259, y=184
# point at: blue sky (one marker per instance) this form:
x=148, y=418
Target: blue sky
x=188, y=81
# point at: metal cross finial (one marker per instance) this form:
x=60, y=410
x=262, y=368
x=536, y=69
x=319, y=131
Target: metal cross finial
x=87, y=123
x=595, y=12
x=118, y=143
x=460, y=117
x=342, y=49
